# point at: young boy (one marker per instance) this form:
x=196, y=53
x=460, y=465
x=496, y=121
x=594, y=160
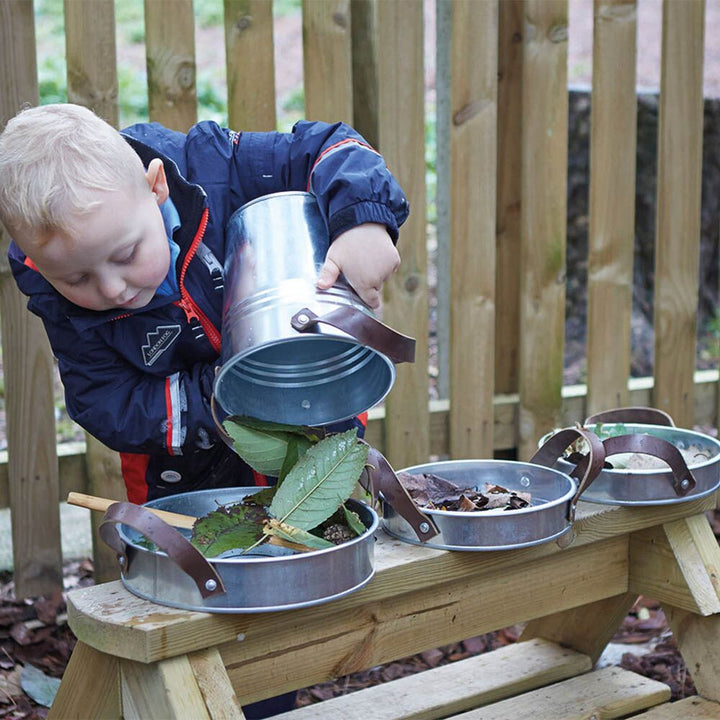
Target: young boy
x=119, y=239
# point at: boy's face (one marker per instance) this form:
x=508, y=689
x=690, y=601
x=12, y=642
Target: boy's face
x=116, y=256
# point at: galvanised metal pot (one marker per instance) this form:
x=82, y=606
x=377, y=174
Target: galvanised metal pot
x=555, y=495
x=179, y=576
x=651, y=432
x=291, y=353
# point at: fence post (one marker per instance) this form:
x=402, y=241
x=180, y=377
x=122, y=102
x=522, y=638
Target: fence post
x=612, y=204
x=92, y=82
x=679, y=189
x=327, y=60
x=27, y=361
x=473, y=128
x=249, y=40
x=401, y=86
x=171, y=68
x=544, y=220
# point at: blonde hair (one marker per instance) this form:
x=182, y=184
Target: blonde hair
x=54, y=159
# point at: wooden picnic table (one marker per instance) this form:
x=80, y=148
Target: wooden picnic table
x=135, y=658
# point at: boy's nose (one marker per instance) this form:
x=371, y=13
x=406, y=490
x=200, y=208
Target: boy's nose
x=112, y=287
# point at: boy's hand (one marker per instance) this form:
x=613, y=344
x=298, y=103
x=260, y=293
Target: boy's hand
x=366, y=256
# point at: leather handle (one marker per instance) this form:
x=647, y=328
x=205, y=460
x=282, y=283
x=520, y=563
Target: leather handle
x=634, y=414
x=361, y=326
x=585, y=471
x=383, y=481
x=683, y=480
x=167, y=538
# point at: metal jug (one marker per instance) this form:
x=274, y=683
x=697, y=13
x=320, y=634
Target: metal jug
x=292, y=353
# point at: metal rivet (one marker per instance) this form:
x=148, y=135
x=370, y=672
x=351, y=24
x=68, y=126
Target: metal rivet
x=303, y=318
x=121, y=560
x=210, y=585
x=685, y=484
x=424, y=527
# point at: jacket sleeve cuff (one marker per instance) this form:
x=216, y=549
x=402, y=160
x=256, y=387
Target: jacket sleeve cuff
x=363, y=212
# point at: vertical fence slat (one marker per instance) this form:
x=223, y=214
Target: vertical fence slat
x=401, y=135
x=92, y=82
x=678, y=207
x=473, y=128
x=27, y=360
x=91, y=56
x=249, y=43
x=327, y=60
x=171, y=67
x=612, y=203
x=544, y=212
x=363, y=25
x=509, y=194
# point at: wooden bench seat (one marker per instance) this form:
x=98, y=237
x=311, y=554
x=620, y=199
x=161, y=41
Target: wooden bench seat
x=138, y=659
x=535, y=679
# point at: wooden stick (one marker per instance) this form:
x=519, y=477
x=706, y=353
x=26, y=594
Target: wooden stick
x=91, y=502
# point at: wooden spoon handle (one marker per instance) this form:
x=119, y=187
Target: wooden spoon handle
x=91, y=502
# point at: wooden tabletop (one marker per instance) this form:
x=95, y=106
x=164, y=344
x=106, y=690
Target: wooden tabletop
x=111, y=619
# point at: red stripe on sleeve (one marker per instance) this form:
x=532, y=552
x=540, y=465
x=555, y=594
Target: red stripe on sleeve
x=134, y=470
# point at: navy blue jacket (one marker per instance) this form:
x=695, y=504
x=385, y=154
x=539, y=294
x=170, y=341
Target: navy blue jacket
x=141, y=381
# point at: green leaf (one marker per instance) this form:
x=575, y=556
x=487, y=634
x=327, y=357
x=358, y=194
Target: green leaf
x=262, y=497
x=311, y=433
x=264, y=446
x=263, y=451
x=228, y=528
x=40, y=687
x=353, y=520
x=321, y=481
x=296, y=535
x=295, y=450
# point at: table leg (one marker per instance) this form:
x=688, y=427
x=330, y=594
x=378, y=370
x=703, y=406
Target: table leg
x=187, y=686
x=587, y=628
x=90, y=687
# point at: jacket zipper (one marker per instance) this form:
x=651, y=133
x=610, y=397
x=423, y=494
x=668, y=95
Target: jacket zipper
x=192, y=312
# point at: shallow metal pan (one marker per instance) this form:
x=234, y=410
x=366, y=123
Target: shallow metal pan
x=554, y=497
x=676, y=482
x=175, y=576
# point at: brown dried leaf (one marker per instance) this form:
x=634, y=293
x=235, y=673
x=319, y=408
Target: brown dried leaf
x=10, y=685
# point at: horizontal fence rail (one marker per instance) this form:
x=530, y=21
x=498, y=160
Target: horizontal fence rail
x=502, y=119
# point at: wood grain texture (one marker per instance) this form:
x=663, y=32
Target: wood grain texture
x=612, y=203
x=473, y=126
x=327, y=60
x=677, y=249
x=608, y=693
x=249, y=42
x=509, y=194
x=167, y=690
x=32, y=466
x=104, y=480
x=90, y=687
x=401, y=133
x=587, y=629
x=457, y=687
x=91, y=56
x=698, y=639
x=170, y=57
x=691, y=708
x=544, y=203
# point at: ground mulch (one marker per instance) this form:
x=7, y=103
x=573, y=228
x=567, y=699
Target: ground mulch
x=34, y=632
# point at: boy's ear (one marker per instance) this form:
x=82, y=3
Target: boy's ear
x=156, y=180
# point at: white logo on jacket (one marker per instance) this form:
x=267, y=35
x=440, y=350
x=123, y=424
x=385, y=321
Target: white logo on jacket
x=159, y=341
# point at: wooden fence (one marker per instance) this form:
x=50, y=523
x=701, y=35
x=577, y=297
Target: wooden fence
x=504, y=133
